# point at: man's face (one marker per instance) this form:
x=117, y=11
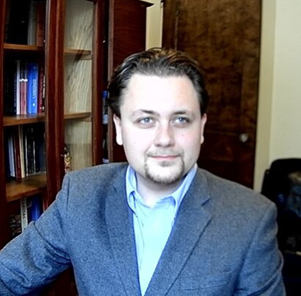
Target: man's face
x=161, y=128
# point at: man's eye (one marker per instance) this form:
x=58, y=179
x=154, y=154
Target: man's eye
x=182, y=120
x=146, y=120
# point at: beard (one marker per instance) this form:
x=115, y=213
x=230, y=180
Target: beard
x=164, y=172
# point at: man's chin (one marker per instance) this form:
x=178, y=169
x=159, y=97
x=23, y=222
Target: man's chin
x=164, y=175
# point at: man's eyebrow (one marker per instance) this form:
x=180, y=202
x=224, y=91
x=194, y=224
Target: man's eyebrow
x=152, y=112
x=184, y=112
x=140, y=111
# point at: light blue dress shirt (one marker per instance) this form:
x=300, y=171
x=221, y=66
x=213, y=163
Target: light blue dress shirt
x=152, y=225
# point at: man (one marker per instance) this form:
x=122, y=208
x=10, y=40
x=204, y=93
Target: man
x=160, y=225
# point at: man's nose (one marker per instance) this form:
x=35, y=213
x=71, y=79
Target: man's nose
x=165, y=136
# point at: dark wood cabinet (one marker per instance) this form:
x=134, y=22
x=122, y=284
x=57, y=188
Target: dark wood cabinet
x=72, y=57
x=83, y=41
x=224, y=36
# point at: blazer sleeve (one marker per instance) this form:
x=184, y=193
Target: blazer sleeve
x=261, y=271
x=39, y=254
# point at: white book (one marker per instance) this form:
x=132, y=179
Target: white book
x=18, y=89
x=24, y=213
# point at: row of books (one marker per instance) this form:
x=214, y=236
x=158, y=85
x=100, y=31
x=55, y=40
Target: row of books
x=25, y=22
x=25, y=150
x=30, y=210
x=24, y=88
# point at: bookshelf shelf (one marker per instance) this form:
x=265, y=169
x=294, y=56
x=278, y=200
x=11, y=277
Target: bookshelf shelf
x=22, y=47
x=22, y=119
x=29, y=186
x=27, y=119
x=81, y=115
x=78, y=54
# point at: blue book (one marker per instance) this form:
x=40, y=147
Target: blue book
x=36, y=208
x=32, y=88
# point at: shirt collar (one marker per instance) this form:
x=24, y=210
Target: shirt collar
x=177, y=195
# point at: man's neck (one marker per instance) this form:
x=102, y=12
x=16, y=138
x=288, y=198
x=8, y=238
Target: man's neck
x=151, y=192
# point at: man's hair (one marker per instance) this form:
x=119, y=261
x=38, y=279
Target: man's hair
x=161, y=63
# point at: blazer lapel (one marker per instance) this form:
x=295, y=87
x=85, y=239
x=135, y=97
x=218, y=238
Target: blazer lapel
x=121, y=233
x=190, y=223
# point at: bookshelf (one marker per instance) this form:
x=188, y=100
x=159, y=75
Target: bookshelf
x=67, y=56
x=83, y=41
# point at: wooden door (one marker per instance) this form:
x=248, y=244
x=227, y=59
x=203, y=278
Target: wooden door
x=127, y=35
x=224, y=36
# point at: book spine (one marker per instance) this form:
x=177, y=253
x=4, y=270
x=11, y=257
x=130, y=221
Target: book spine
x=17, y=87
x=41, y=16
x=23, y=87
x=32, y=88
x=15, y=224
x=24, y=213
x=29, y=151
x=21, y=143
x=41, y=99
x=17, y=154
x=36, y=208
x=11, y=155
x=32, y=23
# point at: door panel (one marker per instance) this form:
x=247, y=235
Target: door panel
x=224, y=37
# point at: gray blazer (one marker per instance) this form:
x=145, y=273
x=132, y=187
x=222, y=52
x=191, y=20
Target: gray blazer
x=222, y=243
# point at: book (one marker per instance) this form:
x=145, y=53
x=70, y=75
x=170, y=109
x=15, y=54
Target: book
x=17, y=91
x=32, y=88
x=23, y=87
x=23, y=213
x=17, y=153
x=11, y=155
x=29, y=150
x=21, y=148
x=15, y=224
x=35, y=208
x=105, y=115
x=41, y=91
x=32, y=23
x=40, y=26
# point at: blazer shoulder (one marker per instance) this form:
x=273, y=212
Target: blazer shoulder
x=100, y=173
x=94, y=179
x=233, y=193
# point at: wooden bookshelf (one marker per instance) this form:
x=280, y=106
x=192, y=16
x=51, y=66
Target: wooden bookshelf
x=77, y=61
x=27, y=119
x=28, y=186
x=22, y=47
x=78, y=54
x=81, y=115
x=22, y=119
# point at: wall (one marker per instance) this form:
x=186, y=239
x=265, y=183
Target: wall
x=279, y=115
x=154, y=21
x=279, y=109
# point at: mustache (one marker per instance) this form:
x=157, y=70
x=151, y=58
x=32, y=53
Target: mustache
x=163, y=153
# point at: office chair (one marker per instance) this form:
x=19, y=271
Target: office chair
x=282, y=185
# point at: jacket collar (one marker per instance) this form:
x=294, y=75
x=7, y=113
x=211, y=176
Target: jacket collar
x=190, y=223
x=180, y=244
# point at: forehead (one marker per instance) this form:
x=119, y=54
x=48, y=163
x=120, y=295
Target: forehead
x=150, y=91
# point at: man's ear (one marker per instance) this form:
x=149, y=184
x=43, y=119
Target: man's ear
x=117, y=123
x=203, y=122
